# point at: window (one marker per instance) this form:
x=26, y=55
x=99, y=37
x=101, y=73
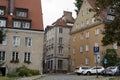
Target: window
x=21, y=23
x=26, y=24
x=87, y=34
x=86, y=61
x=74, y=38
x=2, y=10
x=115, y=46
x=2, y=55
x=17, y=24
x=93, y=19
x=87, y=47
x=97, y=31
x=60, y=40
x=16, y=40
x=3, y=22
x=15, y=56
x=110, y=17
x=81, y=36
x=60, y=50
x=27, y=57
x=87, y=21
x=74, y=50
x=81, y=48
x=96, y=44
x=82, y=23
x=4, y=42
x=28, y=41
x=60, y=64
x=60, y=30
x=22, y=12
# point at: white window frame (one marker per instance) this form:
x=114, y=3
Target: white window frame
x=2, y=11
x=27, y=56
x=81, y=36
x=110, y=17
x=86, y=61
x=15, y=56
x=87, y=21
x=97, y=31
x=2, y=55
x=28, y=41
x=4, y=42
x=115, y=46
x=96, y=44
x=16, y=40
x=3, y=22
x=93, y=19
x=81, y=49
x=87, y=47
x=26, y=24
x=17, y=24
x=87, y=34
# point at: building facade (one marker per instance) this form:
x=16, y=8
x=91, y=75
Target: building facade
x=22, y=43
x=56, y=53
x=86, y=35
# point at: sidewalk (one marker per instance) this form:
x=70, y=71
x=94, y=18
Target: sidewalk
x=31, y=78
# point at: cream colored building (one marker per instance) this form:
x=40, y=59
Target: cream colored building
x=22, y=47
x=85, y=35
x=22, y=43
x=56, y=47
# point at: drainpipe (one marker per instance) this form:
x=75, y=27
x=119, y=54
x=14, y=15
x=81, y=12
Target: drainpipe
x=11, y=7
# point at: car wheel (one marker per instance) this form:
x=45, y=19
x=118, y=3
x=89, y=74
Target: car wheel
x=88, y=73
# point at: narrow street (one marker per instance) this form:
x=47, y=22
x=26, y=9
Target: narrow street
x=72, y=77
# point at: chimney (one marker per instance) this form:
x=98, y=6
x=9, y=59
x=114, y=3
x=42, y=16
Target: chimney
x=11, y=7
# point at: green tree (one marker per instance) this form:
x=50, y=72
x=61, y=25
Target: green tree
x=112, y=28
x=112, y=58
x=78, y=4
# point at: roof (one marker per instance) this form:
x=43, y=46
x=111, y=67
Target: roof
x=34, y=12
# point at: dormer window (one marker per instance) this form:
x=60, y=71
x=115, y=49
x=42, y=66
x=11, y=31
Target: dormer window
x=18, y=23
x=2, y=10
x=3, y=22
x=23, y=13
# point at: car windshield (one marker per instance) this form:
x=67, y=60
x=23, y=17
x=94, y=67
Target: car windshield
x=112, y=67
x=85, y=67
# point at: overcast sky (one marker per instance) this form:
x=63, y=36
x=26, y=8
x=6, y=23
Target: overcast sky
x=53, y=9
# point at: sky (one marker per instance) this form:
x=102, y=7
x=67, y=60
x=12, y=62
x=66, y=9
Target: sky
x=53, y=9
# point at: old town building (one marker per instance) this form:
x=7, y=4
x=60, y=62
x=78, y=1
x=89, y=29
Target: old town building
x=21, y=22
x=56, y=47
x=86, y=36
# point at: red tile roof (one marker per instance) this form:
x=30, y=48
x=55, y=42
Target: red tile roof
x=34, y=12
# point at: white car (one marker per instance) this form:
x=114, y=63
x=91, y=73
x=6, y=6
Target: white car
x=93, y=70
x=112, y=70
x=80, y=69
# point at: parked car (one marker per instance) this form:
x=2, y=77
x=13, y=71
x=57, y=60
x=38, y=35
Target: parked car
x=112, y=70
x=80, y=69
x=93, y=70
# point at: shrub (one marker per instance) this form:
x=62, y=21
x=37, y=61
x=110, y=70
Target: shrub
x=24, y=71
x=34, y=72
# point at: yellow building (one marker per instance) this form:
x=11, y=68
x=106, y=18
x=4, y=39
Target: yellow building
x=85, y=35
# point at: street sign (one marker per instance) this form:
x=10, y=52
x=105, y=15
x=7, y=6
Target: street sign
x=96, y=49
x=105, y=61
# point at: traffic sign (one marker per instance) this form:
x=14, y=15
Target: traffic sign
x=96, y=49
x=105, y=61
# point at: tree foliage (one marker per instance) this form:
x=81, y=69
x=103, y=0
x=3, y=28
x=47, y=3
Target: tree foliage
x=78, y=4
x=112, y=58
x=112, y=28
